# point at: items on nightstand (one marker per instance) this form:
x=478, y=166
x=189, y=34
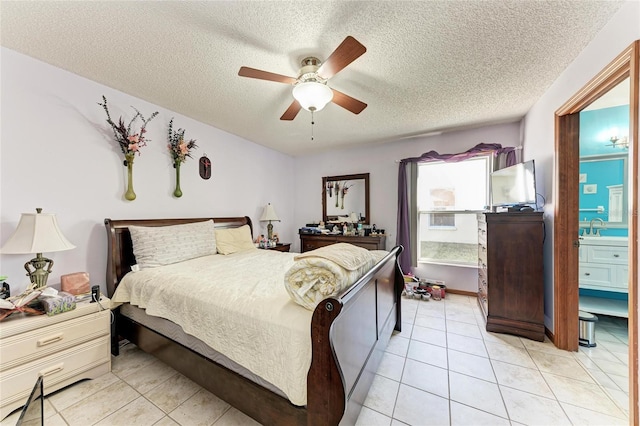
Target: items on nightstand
x=269, y=214
x=20, y=303
x=280, y=247
x=55, y=302
x=37, y=233
x=5, y=291
x=76, y=283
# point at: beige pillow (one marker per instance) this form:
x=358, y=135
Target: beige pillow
x=155, y=246
x=232, y=240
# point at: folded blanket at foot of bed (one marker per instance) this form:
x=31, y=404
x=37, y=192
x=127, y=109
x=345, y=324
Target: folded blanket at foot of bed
x=327, y=271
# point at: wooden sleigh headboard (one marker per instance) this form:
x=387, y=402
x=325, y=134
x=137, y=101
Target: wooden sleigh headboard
x=120, y=255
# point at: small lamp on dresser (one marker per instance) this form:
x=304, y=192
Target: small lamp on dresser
x=37, y=233
x=269, y=214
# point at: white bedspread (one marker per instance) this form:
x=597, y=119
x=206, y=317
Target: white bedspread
x=209, y=296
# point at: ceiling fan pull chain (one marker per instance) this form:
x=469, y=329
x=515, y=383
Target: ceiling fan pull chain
x=312, y=123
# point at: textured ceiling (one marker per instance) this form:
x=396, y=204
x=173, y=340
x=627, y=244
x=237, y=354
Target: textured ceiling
x=430, y=66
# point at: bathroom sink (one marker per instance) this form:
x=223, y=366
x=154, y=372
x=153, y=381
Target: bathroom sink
x=603, y=240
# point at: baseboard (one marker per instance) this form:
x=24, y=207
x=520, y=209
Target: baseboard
x=550, y=335
x=462, y=292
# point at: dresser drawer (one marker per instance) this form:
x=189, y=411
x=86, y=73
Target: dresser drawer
x=308, y=245
x=310, y=242
x=483, y=301
x=482, y=233
x=482, y=281
x=482, y=256
x=16, y=383
x=35, y=344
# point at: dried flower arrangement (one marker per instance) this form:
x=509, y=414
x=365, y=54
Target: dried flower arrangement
x=129, y=143
x=178, y=147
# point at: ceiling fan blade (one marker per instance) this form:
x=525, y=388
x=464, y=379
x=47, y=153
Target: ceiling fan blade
x=292, y=111
x=265, y=75
x=347, y=102
x=348, y=51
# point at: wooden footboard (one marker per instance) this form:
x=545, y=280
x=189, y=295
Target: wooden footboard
x=349, y=333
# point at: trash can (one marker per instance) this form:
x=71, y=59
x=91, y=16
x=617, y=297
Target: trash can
x=587, y=329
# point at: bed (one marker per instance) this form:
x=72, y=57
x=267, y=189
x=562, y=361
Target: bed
x=349, y=333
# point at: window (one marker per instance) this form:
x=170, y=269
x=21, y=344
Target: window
x=449, y=196
x=442, y=198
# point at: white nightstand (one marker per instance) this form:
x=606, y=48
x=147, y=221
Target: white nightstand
x=63, y=348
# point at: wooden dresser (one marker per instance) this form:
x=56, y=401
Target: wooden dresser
x=510, y=272
x=310, y=242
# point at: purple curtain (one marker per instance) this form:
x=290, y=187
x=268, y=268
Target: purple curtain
x=403, y=236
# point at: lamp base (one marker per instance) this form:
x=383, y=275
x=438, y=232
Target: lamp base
x=270, y=231
x=39, y=274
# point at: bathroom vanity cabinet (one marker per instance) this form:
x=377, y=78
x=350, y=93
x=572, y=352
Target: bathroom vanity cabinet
x=604, y=266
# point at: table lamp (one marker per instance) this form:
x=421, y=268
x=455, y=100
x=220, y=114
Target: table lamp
x=269, y=214
x=37, y=233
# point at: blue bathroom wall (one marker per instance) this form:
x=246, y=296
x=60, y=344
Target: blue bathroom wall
x=597, y=126
x=601, y=173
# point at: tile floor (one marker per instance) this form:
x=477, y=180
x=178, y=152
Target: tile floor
x=443, y=369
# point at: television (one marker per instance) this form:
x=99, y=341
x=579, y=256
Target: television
x=514, y=186
x=33, y=410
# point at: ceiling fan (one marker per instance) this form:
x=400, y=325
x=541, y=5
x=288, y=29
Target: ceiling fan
x=310, y=90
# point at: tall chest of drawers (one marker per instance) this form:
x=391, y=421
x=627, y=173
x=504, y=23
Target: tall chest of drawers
x=63, y=348
x=510, y=272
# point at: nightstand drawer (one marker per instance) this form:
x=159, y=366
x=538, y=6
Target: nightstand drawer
x=48, y=340
x=58, y=368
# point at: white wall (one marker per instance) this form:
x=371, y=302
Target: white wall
x=58, y=153
x=380, y=162
x=617, y=34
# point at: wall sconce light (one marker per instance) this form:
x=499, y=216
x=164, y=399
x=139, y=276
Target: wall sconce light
x=619, y=142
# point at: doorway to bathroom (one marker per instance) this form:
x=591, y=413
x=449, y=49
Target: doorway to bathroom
x=570, y=224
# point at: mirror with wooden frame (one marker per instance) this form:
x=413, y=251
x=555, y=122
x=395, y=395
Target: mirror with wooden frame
x=345, y=197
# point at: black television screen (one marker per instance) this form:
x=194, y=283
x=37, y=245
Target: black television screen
x=33, y=410
x=514, y=185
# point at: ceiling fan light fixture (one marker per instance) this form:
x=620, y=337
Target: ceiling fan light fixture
x=312, y=95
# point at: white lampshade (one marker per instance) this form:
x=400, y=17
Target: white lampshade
x=36, y=233
x=313, y=96
x=269, y=214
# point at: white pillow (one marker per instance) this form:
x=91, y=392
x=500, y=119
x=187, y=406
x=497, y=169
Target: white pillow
x=232, y=240
x=155, y=246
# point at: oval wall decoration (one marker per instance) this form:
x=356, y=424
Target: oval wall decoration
x=205, y=167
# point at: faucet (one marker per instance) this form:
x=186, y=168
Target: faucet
x=597, y=234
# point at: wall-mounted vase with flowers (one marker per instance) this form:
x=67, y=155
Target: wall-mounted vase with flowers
x=179, y=150
x=129, y=143
x=130, y=194
x=177, y=192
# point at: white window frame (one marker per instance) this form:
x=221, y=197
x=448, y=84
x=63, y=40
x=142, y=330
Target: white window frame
x=489, y=168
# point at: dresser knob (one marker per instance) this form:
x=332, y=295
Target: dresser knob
x=616, y=255
x=587, y=273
